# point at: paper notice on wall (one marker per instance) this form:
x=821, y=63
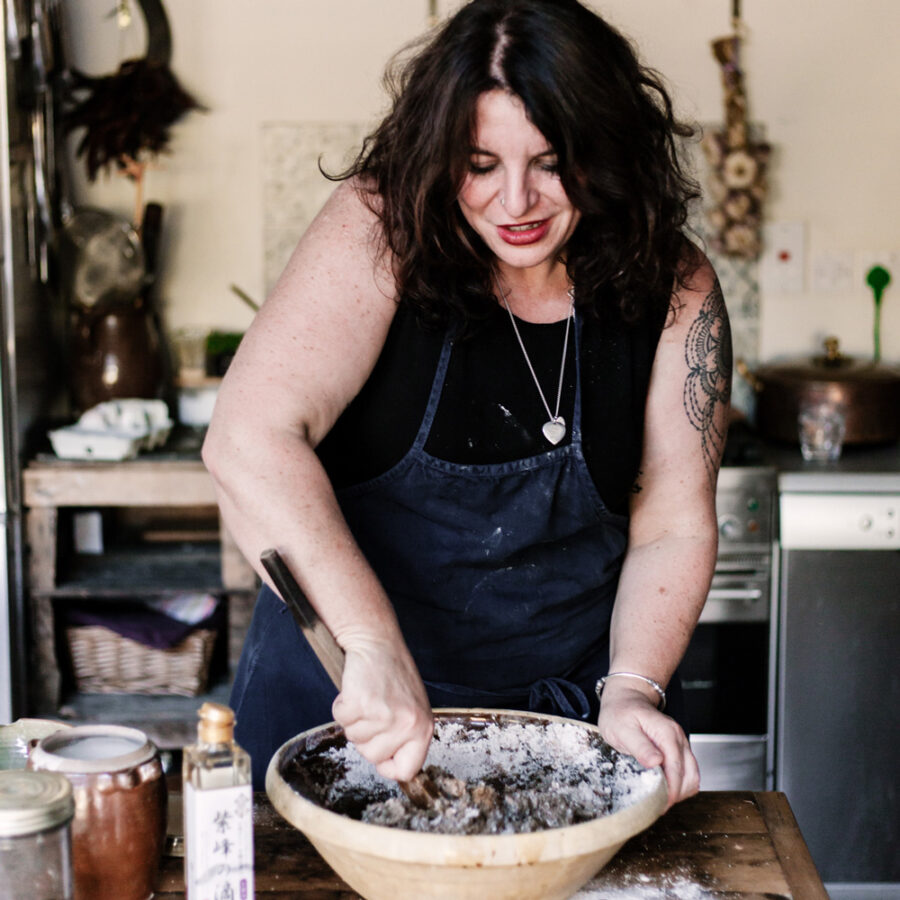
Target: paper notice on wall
x=782, y=266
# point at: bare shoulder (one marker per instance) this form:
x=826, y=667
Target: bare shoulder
x=345, y=243
x=320, y=331
x=696, y=292
x=690, y=391
x=698, y=333
x=338, y=285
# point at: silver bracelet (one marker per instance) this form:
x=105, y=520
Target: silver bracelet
x=601, y=683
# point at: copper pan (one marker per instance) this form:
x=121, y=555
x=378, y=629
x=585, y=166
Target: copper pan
x=868, y=391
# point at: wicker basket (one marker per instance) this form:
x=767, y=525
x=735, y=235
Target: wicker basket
x=107, y=663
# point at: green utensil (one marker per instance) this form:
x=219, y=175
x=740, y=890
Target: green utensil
x=878, y=278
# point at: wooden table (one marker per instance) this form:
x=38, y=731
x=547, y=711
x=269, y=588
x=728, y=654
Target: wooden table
x=725, y=845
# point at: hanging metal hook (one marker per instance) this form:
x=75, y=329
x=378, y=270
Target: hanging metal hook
x=159, y=34
x=736, y=24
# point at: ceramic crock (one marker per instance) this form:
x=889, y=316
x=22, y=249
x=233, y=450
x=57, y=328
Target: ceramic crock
x=119, y=828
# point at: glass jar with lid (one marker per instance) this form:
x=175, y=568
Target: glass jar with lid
x=36, y=810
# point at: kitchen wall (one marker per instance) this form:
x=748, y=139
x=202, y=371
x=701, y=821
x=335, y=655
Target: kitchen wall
x=823, y=79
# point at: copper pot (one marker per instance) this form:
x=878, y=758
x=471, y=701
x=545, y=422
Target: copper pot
x=868, y=391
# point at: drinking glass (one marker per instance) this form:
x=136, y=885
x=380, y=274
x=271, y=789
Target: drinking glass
x=821, y=425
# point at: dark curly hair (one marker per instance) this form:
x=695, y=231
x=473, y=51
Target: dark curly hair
x=608, y=118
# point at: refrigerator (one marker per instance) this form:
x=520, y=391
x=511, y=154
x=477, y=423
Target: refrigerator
x=30, y=373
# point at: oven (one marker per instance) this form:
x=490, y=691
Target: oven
x=728, y=670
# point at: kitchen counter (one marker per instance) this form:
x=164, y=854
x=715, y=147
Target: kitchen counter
x=734, y=845
x=864, y=469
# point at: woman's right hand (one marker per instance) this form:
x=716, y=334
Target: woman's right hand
x=383, y=707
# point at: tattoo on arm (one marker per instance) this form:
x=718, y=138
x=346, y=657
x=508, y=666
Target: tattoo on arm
x=637, y=487
x=707, y=388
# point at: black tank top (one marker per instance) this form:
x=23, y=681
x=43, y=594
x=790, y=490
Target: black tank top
x=490, y=410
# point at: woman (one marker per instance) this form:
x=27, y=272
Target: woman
x=482, y=412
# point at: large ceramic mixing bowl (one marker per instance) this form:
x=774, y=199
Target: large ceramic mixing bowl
x=388, y=863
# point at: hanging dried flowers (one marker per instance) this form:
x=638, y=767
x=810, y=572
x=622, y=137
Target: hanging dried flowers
x=737, y=182
x=127, y=116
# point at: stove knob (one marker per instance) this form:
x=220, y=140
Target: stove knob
x=729, y=527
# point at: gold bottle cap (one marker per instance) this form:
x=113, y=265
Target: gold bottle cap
x=216, y=723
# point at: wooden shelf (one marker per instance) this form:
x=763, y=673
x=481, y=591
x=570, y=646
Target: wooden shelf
x=148, y=570
x=173, y=478
x=169, y=721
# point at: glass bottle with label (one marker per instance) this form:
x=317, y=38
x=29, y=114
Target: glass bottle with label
x=218, y=810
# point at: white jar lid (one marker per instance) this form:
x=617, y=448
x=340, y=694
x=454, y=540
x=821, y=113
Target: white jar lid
x=93, y=749
x=33, y=801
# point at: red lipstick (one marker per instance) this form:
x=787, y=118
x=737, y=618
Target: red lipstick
x=519, y=235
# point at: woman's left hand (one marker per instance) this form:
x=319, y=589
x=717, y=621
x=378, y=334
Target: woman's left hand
x=630, y=722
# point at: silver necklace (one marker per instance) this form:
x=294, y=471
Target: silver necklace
x=554, y=428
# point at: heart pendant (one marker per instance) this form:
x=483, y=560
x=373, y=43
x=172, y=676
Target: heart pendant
x=555, y=430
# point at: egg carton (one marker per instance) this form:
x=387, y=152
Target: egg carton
x=114, y=430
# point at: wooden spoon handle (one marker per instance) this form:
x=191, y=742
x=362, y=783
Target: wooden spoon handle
x=314, y=629
x=421, y=790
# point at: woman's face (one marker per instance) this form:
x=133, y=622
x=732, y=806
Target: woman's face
x=511, y=161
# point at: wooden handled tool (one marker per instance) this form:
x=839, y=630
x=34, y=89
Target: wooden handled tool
x=421, y=790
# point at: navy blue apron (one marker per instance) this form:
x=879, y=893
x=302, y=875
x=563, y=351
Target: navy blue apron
x=503, y=578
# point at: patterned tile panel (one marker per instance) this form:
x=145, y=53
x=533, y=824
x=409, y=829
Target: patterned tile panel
x=294, y=188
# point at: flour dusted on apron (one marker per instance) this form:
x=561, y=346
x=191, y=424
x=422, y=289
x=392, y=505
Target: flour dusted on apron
x=503, y=575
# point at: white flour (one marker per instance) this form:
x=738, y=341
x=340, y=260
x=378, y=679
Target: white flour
x=673, y=886
x=552, y=766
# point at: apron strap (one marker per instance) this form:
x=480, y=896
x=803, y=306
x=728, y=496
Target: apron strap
x=558, y=697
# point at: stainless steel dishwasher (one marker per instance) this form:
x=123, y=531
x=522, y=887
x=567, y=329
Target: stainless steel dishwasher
x=838, y=699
